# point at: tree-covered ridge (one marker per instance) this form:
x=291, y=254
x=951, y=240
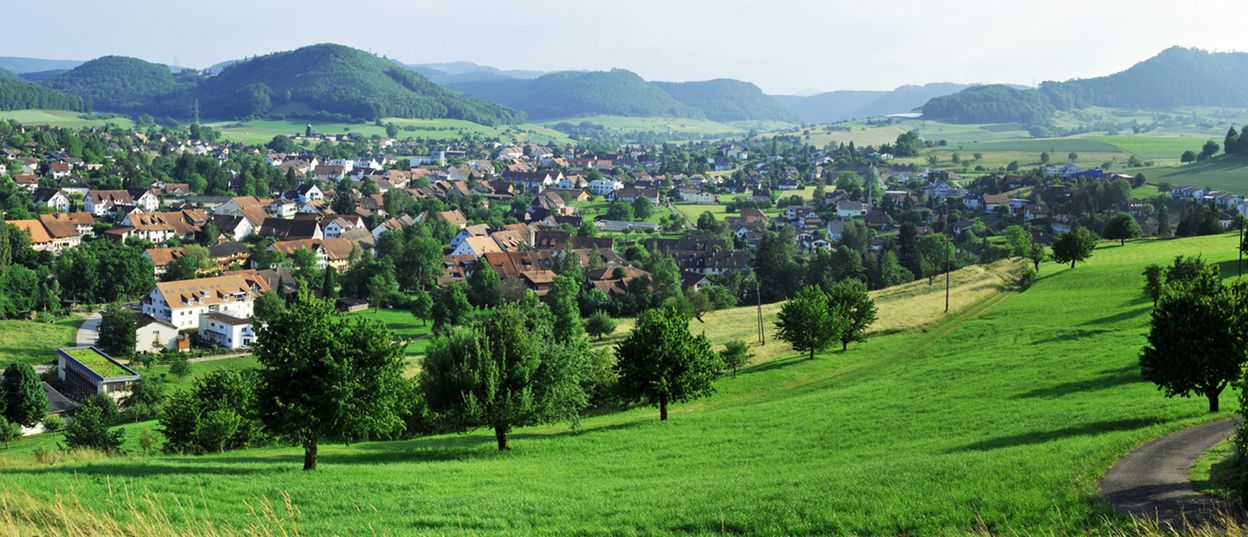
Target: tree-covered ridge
x=574, y=93
x=842, y=105
x=116, y=83
x=1175, y=77
x=725, y=99
x=18, y=94
x=333, y=81
x=996, y=103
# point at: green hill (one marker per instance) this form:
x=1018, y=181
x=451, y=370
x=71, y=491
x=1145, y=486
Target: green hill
x=997, y=420
x=332, y=82
x=1175, y=77
x=575, y=93
x=116, y=83
x=725, y=99
x=18, y=94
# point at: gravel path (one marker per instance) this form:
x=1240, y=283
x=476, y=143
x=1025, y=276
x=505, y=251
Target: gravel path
x=1153, y=480
x=88, y=332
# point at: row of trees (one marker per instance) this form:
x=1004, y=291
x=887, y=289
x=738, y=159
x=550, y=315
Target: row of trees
x=814, y=319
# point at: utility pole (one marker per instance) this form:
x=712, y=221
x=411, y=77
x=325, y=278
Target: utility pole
x=948, y=256
x=1240, y=265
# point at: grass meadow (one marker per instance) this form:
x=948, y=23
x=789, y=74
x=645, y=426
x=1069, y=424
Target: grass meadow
x=62, y=118
x=997, y=419
x=35, y=342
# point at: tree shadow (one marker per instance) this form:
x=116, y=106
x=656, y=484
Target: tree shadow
x=778, y=363
x=1099, y=383
x=1041, y=437
x=1120, y=316
x=1073, y=335
x=1230, y=269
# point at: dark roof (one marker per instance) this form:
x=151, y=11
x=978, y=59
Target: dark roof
x=145, y=319
x=227, y=249
x=227, y=319
x=57, y=402
x=282, y=229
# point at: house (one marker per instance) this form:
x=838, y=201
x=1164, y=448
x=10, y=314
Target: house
x=478, y=230
x=103, y=202
x=59, y=170
x=1062, y=223
x=339, y=224
x=455, y=218
x=330, y=253
x=230, y=254
x=615, y=280
x=538, y=281
x=329, y=172
x=992, y=202
x=88, y=370
x=49, y=235
x=631, y=194
x=1034, y=212
x=694, y=195
x=29, y=182
x=305, y=193
x=226, y=331
x=350, y=305
x=52, y=198
x=161, y=258
x=154, y=335
x=850, y=209
x=182, y=302
x=476, y=247
x=604, y=186
x=234, y=227
x=285, y=230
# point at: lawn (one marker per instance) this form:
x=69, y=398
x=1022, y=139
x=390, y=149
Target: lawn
x=35, y=342
x=1163, y=148
x=62, y=118
x=407, y=327
x=1000, y=418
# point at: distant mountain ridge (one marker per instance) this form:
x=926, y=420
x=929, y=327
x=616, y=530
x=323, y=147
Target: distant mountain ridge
x=19, y=65
x=833, y=106
x=621, y=92
x=1175, y=77
x=573, y=93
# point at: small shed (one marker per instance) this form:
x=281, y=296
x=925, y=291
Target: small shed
x=348, y=304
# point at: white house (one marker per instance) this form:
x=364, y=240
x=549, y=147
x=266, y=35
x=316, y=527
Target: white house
x=850, y=209
x=182, y=302
x=154, y=335
x=226, y=330
x=51, y=198
x=479, y=230
x=604, y=186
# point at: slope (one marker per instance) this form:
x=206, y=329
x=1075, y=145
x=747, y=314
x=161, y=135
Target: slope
x=850, y=104
x=725, y=99
x=18, y=94
x=998, y=420
x=331, y=82
x=564, y=94
x=116, y=83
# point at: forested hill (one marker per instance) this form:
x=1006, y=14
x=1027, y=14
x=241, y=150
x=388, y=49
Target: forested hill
x=18, y=94
x=575, y=93
x=1175, y=77
x=836, y=106
x=333, y=81
x=725, y=99
x=116, y=83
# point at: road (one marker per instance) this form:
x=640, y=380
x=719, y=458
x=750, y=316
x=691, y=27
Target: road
x=88, y=332
x=1153, y=481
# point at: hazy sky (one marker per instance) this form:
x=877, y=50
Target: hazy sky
x=782, y=46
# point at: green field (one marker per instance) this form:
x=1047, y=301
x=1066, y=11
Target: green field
x=35, y=342
x=671, y=125
x=405, y=326
x=61, y=118
x=997, y=420
x=263, y=130
x=1228, y=174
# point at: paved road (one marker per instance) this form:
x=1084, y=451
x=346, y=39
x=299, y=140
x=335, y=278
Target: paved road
x=88, y=333
x=1153, y=481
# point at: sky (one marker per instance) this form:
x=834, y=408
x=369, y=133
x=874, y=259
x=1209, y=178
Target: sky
x=783, y=46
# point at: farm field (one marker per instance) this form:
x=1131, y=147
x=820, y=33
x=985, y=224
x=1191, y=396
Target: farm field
x=998, y=419
x=1228, y=174
x=689, y=126
x=62, y=118
x=35, y=342
x=261, y=131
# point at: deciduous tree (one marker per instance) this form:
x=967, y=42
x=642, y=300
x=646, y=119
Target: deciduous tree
x=662, y=363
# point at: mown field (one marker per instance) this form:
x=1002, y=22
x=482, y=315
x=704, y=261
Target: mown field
x=1228, y=174
x=62, y=118
x=998, y=419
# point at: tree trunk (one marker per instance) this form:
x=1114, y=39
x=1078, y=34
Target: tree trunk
x=844, y=345
x=812, y=353
x=500, y=434
x=1072, y=263
x=309, y=455
x=1213, y=399
x=663, y=408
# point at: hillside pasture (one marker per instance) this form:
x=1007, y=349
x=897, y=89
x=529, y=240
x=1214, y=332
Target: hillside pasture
x=996, y=420
x=35, y=342
x=63, y=118
x=1227, y=174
